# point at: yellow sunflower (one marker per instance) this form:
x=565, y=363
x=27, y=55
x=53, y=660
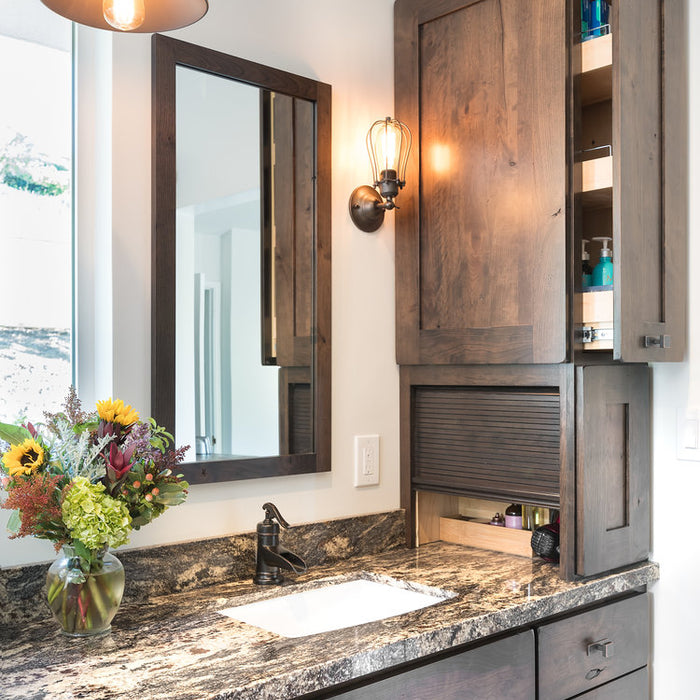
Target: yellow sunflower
x=23, y=459
x=116, y=412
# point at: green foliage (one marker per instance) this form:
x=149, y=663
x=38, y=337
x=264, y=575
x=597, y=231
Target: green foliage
x=14, y=434
x=14, y=522
x=81, y=456
x=160, y=437
x=21, y=168
x=93, y=517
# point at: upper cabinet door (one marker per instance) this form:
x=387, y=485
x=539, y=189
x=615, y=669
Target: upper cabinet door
x=649, y=179
x=481, y=255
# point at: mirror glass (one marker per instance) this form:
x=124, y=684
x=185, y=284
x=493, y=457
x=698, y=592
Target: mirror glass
x=233, y=293
x=240, y=341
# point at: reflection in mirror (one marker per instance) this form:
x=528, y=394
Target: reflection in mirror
x=249, y=358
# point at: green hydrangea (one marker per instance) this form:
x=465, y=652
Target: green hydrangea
x=93, y=517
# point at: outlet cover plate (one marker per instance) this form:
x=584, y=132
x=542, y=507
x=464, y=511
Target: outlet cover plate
x=366, y=460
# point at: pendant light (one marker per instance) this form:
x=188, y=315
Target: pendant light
x=141, y=16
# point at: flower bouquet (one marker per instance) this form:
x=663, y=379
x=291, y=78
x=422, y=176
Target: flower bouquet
x=84, y=481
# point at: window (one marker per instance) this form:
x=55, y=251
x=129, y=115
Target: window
x=36, y=232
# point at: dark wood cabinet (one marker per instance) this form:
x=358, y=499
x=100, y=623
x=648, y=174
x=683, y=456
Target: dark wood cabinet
x=634, y=686
x=512, y=112
x=572, y=438
x=509, y=113
x=585, y=651
x=630, y=173
x=500, y=669
x=613, y=466
x=598, y=653
x=481, y=232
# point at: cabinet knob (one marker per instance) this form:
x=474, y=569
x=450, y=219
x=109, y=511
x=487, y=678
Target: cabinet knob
x=604, y=646
x=657, y=341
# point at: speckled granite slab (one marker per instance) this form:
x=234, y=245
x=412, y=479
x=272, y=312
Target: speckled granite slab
x=178, y=647
x=179, y=567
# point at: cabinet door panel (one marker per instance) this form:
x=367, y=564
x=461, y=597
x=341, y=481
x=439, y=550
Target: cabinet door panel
x=649, y=179
x=612, y=466
x=481, y=232
x=501, y=669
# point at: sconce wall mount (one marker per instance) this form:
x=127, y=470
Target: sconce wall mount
x=388, y=146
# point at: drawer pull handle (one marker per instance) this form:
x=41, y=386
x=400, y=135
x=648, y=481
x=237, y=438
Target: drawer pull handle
x=657, y=341
x=594, y=673
x=605, y=646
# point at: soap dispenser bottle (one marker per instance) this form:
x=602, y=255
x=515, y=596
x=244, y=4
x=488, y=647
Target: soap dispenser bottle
x=603, y=271
x=587, y=270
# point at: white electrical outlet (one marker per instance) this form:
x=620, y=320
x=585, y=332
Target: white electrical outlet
x=366, y=460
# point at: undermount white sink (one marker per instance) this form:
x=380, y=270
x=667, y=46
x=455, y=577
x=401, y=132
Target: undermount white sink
x=335, y=606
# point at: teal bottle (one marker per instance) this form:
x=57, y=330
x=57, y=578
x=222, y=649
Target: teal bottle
x=603, y=271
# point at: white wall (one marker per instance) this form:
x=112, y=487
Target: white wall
x=329, y=41
x=676, y=483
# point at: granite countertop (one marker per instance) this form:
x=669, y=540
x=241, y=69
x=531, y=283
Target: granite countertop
x=178, y=647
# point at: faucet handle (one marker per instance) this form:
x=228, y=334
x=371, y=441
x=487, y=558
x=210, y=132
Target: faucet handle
x=271, y=513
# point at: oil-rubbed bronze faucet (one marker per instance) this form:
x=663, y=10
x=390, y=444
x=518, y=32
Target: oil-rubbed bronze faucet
x=270, y=557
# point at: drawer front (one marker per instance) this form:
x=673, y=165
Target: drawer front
x=635, y=685
x=569, y=663
x=500, y=669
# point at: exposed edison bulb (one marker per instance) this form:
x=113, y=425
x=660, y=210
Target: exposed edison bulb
x=388, y=143
x=124, y=15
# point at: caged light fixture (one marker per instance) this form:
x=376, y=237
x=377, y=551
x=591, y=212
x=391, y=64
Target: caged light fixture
x=131, y=15
x=388, y=145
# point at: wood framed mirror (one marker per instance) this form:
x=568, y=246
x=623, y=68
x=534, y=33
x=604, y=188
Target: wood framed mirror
x=241, y=264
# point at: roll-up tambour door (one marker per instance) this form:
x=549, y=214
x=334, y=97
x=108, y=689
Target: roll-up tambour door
x=501, y=443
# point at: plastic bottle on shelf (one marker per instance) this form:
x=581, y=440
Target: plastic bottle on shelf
x=603, y=271
x=587, y=270
x=594, y=18
x=514, y=516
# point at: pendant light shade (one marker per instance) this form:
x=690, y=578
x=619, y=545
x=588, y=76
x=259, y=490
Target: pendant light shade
x=134, y=16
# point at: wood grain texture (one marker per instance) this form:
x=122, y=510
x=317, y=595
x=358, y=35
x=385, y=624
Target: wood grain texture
x=293, y=219
x=482, y=535
x=613, y=467
x=481, y=243
x=565, y=667
x=167, y=53
x=482, y=376
x=486, y=441
x=295, y=410
x=430, y=507
x=633, y=685
x=500, y=669
x=650, y=178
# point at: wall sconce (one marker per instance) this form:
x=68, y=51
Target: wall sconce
x=388, y=145
x=131, y=15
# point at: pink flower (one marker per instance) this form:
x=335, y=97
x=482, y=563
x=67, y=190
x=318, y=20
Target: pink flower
x=119, y=462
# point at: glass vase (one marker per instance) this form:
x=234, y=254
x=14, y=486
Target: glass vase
x=84, y=603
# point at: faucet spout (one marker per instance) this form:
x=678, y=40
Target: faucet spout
x=284, y=559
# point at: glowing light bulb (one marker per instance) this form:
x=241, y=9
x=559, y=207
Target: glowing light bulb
x=124, y=15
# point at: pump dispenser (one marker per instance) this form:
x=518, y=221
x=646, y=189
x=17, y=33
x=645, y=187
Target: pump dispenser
x=603, y=271
x=587, y=270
